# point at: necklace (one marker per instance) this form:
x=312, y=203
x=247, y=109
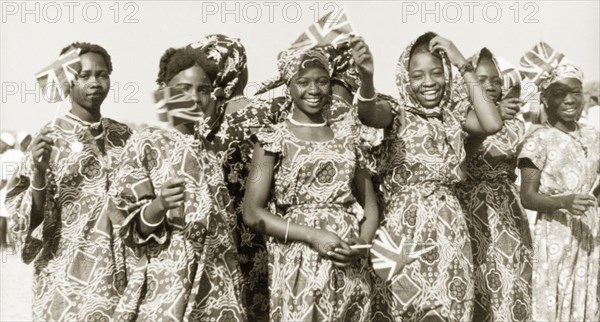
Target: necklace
x=296, y=123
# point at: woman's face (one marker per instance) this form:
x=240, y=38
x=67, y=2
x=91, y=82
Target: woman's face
x=489, y=78
x=564, y=99
x=427, y=80
x=311, y=90
x=93, y=81
x=197, y=85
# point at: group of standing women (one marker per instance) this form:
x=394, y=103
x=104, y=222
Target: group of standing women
x=265, y=209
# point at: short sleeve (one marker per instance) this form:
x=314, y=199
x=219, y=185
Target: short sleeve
x=534, y=148
x=365, y=140
x=270, y=138
x=260, y=113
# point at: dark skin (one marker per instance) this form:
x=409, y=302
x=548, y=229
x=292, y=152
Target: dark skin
x=490, y=80
x=310, y=92
x=427, y=79
x=564, y=104
x=197, y=85
x=88, y=91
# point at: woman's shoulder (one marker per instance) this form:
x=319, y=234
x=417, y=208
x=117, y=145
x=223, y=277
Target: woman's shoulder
x=271, y=136
x=540, y=131
x=589, y=131
x=154, y=135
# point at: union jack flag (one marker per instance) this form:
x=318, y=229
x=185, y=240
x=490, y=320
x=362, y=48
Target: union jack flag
x=537, y=64
x=389, y=258
x=176, y=107
x=55, y=80
x=333, y=28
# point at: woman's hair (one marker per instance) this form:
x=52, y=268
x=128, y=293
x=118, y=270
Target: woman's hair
x=174, y=60
x=86, y=47
x=422, y=44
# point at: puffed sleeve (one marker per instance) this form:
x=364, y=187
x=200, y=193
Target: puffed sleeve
x=133, y=189
x=258, y=114
x=534, y=147
x=271, y=137
x=363, y=139
x=19, y=202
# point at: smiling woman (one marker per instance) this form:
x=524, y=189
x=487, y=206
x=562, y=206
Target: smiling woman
x=313, y=163
x=420, y=163
x=559, y=165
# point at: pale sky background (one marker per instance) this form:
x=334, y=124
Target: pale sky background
x=28, y=46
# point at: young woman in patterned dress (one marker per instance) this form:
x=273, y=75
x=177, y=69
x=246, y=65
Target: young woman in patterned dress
x=234, y=149
x=313, y=168
x=56, y=199
x=498, y=225
x=171, y=192
x=559, y=163
x=422, y=159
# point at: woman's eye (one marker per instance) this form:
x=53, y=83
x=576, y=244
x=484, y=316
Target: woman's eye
x=84, y=76
x=184, y=88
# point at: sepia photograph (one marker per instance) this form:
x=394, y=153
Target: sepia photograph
x=393, y=161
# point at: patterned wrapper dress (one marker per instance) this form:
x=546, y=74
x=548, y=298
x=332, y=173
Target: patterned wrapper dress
x=419, y=173
x=233, y=140
x=80, y=263
x=498, y=226
x=421, y=160
x=189, y=270
x=313, y=187
x=566, y=256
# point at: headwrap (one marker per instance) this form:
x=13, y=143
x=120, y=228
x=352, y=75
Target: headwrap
x=290, y=62
x=508, y=73
x=230, y=57
x=453, y=91
x=543, y=66
x=345, y=70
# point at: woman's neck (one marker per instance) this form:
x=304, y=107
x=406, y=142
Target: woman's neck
x=562, y=125
x=301, y=117
x=87, y=115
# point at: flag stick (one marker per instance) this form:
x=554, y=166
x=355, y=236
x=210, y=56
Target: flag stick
x=58, y=106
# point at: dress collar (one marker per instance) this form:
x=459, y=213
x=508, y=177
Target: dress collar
x=95, y=128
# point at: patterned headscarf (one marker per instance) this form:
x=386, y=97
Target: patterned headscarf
x=563, y=71
x=543, y=66
x=509, y=73
x=454, y=90
x=345, y=70
x=290, y=62
x=230, y=56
